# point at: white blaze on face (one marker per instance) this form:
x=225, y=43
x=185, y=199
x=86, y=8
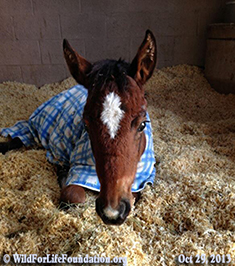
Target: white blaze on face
x=112, y=113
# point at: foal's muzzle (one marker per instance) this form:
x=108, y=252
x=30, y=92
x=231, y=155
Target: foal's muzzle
x=111, y=216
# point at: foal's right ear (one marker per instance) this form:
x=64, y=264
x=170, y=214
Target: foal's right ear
x=79, y=67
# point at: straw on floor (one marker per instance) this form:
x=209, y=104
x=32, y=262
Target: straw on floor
x=190, y=209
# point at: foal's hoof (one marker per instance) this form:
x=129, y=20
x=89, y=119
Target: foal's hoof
x=71, y=195
x=4, y=147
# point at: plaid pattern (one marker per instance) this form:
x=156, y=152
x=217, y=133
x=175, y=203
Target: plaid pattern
x=57, y=125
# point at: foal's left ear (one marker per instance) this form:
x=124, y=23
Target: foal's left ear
x=79, y=67
x=143, y=64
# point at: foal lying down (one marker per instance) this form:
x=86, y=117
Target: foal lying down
x=98, y=133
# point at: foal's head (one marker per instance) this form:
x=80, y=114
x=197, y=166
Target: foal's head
x=115, y=117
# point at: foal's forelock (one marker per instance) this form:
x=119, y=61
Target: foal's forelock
x=108, y=83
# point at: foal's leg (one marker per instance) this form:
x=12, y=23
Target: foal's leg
x=70, y=194
x=12, y=144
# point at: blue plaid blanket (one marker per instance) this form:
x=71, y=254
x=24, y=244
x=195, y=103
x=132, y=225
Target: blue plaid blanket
x=57, y=125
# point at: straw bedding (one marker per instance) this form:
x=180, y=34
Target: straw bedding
x=190, y=209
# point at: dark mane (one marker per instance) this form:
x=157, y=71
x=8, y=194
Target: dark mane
x=106, y=71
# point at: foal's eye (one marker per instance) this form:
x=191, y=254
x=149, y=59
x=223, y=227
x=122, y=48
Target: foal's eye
x=142, y=126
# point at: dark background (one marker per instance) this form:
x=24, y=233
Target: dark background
x=31, y=33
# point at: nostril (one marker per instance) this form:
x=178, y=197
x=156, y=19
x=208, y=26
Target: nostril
x=124, y=209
